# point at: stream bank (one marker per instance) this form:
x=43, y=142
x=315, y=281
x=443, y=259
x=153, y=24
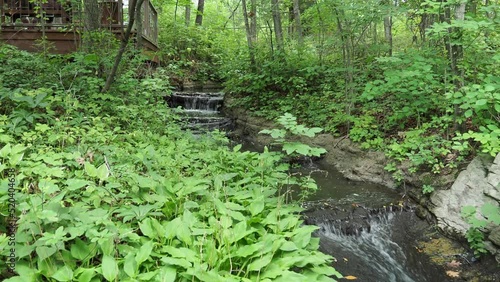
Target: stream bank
x=368, y=166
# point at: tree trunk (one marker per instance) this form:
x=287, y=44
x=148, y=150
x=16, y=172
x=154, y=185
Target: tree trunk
x=253, y=20
x=388, y=27
x=91, y=23
x=133, y=4
x=347, y=55
x=456, y=56
x=249, y=35
x=298, y=25
x=175, y=10
x=187, y=15
x=92, y=13
x=138, y=27
x=199, y=14
x=278, y=30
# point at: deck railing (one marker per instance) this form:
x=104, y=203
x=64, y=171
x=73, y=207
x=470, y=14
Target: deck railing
x=66, y=15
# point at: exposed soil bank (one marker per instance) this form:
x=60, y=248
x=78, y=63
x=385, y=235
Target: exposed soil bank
x=368, y=166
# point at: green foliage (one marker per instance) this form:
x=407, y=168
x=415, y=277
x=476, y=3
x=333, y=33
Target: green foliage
x=476, y=241
x=191, y=53
x=489, y=214
x=427, y=189
x=408, y=90
x=108, y=188
x=292, y=128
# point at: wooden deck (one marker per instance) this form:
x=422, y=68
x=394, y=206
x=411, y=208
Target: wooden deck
x=20, y=24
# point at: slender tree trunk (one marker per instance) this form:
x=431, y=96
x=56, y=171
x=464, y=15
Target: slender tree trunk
x=91, y=23
x=92, y=13
x=138, y=26
x=347, y=55
x=133, y=4
x=249, y=35
x=321, y=33
x=278, y=30
x=388, y=27
x=456, y=56
x=199, y=14
x=187, y=15
x=298, y=25
x=175, y=10
x=253, y=20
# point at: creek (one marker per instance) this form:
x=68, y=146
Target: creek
x=366, y=227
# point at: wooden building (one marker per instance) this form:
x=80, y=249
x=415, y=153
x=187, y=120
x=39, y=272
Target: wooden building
x=23, y=23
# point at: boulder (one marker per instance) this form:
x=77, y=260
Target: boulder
x=475, y=186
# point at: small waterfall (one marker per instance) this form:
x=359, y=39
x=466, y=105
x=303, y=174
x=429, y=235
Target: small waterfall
x=201, y=110
x=374, y=252
x=384, y=252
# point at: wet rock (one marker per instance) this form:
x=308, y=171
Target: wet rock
x=468, y=190
x=495, y=236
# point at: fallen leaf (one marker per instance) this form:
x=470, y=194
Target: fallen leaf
x=350, y=277
x=454, y=264
x=453, y=273
x=80, y=161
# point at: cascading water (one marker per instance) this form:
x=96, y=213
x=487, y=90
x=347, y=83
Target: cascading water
x=201, y=110
x=371, y=239
x=373, y=256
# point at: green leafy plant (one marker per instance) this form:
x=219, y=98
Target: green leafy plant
x=102, y=196
x=427, y=189
x=292, y=128
x=489, y=214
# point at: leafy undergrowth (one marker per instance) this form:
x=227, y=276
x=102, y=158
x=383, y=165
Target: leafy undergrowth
x=108, y=188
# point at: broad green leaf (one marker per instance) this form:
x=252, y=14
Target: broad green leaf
x=75, y=184
x=288, y=246
x=497, y=107
x=257, y=206
x=102, y=172
x=183, y=233
x=180, y=252
x=468, y=113
x=44, y=252
x=109, y=267
x=5, y=151
x=86, y=274
x=64, y=274
x=90, y=169
x=166, y=274
x=144, y=252
x=81, y=250
x=107, y=246
x=326, y=270
x=176, y=261
x=130, y=265
x=491, y=212
x=236, y=215
x=147, y=276
x=147, y=228
x=303, y=236
x=481, y=102
x=48, y=186
x=260, y=263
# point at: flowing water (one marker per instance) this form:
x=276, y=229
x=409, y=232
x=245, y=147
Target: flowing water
x=384, y=252
x=200, y=110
